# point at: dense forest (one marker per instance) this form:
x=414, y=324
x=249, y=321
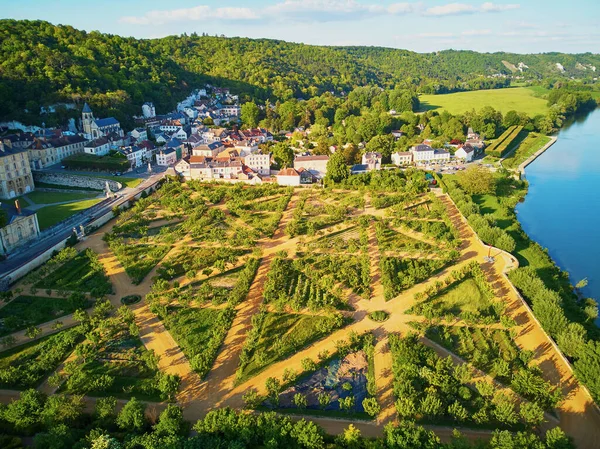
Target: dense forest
x=42, y=64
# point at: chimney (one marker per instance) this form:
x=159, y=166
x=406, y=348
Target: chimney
x=18, y=207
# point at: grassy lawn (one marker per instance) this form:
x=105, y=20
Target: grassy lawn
x=521, y=99
x=194, y=331
x=281, y=335
x=462, y=298
x=25, y=311
x=83, y=273
x=50, y=215
x=39, y=197
x=532, y=143
x=27, y=365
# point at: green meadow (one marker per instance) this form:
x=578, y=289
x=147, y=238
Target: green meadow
x=521, y=99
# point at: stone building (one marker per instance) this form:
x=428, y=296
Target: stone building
x=20, y=226
x=15, y=172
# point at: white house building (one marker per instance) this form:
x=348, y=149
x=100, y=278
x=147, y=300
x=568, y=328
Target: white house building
x=166, y=158
x=135, y=155
x=260, y=163
x=402, y=158
x=424, y=153
x=317, y=165
x=372, y=160
x=465, y=153
x=288, y=177
x=148, y=110
x=97, y=147
x=139, y=134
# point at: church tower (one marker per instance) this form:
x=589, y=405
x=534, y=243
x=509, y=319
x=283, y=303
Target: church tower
x=87, y=118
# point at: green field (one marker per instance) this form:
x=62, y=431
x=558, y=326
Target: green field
x=50, y=215
x=57, y=197
x=532, y=143
x=521, y=99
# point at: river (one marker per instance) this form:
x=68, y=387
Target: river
x=562, y=208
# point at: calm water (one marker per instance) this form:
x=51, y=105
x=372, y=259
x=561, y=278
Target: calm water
x=562, y=208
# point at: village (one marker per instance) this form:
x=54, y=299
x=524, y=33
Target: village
x=201, y=140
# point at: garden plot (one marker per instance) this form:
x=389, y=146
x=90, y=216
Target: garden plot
x=198, y=332
x=74, y=271
x=311, y=214
x=27, y=365
x=351, y=271
x=288, y=286
x=25, y=311
x=465, y=293
x=262, y=215
x=391, y=240
x=399, y=274
x=430, y=389
x=275, y=336
x=339, y=386
x=351, y=240
x=494, y=351
x=114, y=362
x=138, y=260
x=192, y=260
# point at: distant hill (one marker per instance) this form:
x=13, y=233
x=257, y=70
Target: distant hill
x=41, y=64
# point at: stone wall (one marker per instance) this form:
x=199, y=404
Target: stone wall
x=69, y=179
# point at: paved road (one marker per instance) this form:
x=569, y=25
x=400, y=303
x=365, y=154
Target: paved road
x=62, y=230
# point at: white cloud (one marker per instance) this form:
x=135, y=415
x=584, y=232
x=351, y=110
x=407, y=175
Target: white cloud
x=308, y=10
x=465, y=8
x=450, y=9
x=196, y=13
x=491, y=7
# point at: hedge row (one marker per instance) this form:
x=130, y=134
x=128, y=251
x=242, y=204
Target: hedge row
x=90, y=161
x=501, y=146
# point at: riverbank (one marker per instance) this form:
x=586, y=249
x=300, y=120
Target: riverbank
x=534, y=156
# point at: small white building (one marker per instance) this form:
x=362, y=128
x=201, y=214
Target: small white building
x=231, y=110
x=288, y=177
x=148, y=110
x=166, y=158
x=180, y=134
x=317, y=165
x=402, y=158
x=139, y=134
x=97, y=147
x=135, y=155
x=465, y=153
x=372, y=160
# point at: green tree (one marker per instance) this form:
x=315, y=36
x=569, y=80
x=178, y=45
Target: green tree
x=132, y=416
x=476, y=180
x=371, y=406
x=337, y=170
x=250, y=113
x=170, y=422
x=300, y=401
x=531, y=413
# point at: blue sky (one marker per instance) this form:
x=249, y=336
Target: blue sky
x=504, y=25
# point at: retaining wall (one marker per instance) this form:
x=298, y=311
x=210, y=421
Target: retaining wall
x=69, y=179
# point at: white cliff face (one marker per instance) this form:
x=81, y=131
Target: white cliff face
x=560, y=67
